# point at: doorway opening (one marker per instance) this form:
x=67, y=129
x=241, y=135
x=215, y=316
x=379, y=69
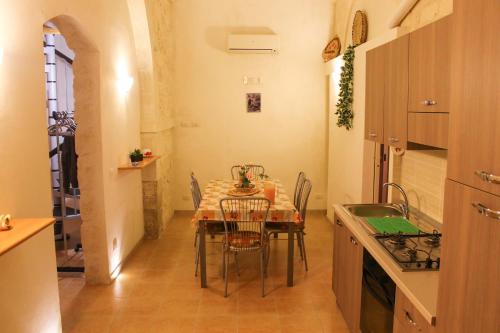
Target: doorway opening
x=63, y=158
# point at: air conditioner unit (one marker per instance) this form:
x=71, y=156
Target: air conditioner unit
x=237, y=43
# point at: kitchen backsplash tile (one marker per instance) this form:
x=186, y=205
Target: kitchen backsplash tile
x=422, y=173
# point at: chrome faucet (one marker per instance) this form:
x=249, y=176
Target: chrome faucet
x=405, y=207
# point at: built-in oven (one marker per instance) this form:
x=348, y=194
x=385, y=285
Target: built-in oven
x=377, y=297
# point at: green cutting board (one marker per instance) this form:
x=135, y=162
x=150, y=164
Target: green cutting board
x=392, y=225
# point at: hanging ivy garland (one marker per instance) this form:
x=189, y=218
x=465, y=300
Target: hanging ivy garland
x=344, y=103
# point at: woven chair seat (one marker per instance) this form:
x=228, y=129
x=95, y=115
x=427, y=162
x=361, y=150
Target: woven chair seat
x=244, y=241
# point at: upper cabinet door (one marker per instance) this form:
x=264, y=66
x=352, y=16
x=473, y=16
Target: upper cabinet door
x=396, y=93
x=374, y=105
x=429, y=68
x=474, y=134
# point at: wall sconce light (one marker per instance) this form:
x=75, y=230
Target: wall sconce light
x=125, y=84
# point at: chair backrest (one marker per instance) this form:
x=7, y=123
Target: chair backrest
x=298, y=187
x=195, y=191
x=245, y=217
x=255, y=169
x=235, y=172
x=304, y=198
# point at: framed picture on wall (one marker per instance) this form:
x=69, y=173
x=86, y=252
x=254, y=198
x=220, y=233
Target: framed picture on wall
x=253, y=102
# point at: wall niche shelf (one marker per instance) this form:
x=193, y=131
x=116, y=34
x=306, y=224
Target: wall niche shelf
x=144, y=163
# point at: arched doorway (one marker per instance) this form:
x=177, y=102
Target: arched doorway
x=86, y=88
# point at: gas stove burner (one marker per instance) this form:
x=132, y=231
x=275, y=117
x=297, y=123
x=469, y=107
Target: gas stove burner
x=433, y=240
x=411, y=254
x=398, y=241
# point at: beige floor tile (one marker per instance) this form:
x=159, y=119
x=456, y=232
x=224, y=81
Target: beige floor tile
x=262, y=323
x=158, y=292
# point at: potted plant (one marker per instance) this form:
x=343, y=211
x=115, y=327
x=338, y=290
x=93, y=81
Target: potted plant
x=136, y=156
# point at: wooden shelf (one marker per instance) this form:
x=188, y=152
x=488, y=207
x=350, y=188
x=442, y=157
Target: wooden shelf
x=144, y=163
x=22, y=229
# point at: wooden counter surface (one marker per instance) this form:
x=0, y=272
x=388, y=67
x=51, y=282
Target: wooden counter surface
x=22, y=230
x=419, y=287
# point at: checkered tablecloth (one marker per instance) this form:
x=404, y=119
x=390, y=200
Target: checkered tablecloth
x=282, y=210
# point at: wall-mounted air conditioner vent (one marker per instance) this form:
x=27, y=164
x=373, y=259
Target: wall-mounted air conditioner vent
x=268, y=43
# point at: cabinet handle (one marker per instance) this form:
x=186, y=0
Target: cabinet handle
x=354, y=241
x=410, y=319
x=372, y=135
x=338, y=223
x=393, y=139
x=429, y=102
x=488, y=177
x=483, y=210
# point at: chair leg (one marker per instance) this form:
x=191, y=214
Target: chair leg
x=299, y=245
x=223, y=262
x=304, y=249
x=262, y=255
x=237, y=263
x=197, y=259
x=268, y=255
x=196, y=234
x=226, y=278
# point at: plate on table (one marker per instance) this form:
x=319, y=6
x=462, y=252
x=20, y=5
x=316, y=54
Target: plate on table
x=243, y=192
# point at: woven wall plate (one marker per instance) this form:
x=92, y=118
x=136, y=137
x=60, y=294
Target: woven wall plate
x=332, y=50
x=359, y=28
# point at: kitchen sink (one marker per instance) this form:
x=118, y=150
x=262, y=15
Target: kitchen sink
x=374, y=210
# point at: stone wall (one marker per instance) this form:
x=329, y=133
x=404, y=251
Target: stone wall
x=157, y=126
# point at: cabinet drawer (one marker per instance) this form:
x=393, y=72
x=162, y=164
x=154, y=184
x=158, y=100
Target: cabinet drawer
x=430, y=129
x=407, y=318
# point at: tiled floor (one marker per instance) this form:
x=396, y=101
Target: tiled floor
x=157, y=290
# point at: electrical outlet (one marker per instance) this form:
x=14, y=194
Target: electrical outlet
x=115, y=243
x=319, y=196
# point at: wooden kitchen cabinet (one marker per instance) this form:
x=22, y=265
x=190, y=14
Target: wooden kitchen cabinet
x=347, y=274
x=396, y=93
x=374, y=97
x=430, y=129
x=474, y=141
x=407, y=319
x=429, y=67
x=469, y=289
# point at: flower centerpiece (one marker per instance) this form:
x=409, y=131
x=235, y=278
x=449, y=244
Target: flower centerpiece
x=245, y=179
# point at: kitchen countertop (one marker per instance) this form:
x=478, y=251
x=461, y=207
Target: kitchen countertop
x=22, y=230
x=420, y=288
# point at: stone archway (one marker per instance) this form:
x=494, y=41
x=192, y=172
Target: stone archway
x=86, y=67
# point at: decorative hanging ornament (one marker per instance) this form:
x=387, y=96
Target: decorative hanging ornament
x=332, y=50
x=359, y=28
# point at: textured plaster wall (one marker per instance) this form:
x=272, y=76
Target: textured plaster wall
x=108, y=119
x=213, y=130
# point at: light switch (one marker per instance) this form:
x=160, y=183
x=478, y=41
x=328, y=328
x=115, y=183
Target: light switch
x=251, y=80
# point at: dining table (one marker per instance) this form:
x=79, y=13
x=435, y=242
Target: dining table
x=282, y=211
